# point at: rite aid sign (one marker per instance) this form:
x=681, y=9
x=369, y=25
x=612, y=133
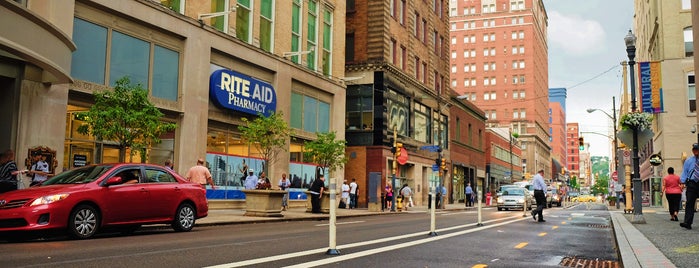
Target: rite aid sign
x=232, y=90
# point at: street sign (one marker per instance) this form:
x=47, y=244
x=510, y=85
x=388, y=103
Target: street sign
x=655, y=160
x=435, y=168
x=431, y=148
x=627, y=157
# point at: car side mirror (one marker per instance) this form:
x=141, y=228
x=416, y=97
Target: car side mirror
x=114, y=181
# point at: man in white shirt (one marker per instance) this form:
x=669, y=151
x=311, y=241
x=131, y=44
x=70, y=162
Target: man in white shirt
x=353, y=194
x=539, y=195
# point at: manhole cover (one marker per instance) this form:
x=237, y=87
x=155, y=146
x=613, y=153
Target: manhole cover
x=585, y=263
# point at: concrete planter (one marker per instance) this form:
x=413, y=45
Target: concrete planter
x=324, y=202
x=263, y=203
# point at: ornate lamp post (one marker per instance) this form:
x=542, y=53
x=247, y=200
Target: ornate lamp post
x=630, y=40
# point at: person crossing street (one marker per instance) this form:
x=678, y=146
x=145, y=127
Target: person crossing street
x=539, y=195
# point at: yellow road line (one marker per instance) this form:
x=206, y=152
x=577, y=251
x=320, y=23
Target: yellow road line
x=554, y=227
x=563, y=222
x=479, y=266
x=542, y=234
x=521, y=245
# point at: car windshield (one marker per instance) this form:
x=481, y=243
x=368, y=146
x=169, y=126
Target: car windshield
x=513, y=191
x=78, y=176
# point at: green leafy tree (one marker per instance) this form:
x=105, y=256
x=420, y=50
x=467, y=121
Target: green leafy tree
x=325, y=151
x=126, y=116
x=574, y=183
x=268, y=134
x=601, y=185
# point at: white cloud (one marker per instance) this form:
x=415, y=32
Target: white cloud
x=575, y=35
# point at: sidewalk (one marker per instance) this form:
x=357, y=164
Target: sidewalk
x=658, y=243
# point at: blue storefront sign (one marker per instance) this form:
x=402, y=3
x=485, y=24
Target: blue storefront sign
x=233, y=90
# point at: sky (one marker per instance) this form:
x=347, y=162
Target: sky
x=586, y=48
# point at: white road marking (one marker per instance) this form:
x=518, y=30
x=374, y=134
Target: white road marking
x=457, y=213
x=365, y=243
x=340, y=223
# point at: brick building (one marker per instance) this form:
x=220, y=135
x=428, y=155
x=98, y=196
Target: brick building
x=499, y=61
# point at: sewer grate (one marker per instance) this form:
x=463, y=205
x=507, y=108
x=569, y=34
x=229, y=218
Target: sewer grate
x=600, y=226
x=588, y=263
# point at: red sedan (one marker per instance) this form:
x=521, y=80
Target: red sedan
x=88, y=199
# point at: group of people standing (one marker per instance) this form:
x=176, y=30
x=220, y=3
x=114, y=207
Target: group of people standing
x=9, y=181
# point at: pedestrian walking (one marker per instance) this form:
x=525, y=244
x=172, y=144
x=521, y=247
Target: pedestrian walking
x=407, y=195
x=690, y=179
x=39, y=170
x=200, y=174
x=389, y=195
x=316, y=190
x=469, y=195
x=673, y=192
x=353, y=194
x=284, y=185
x=345, y=196
x=539, y=188
x=8, y=172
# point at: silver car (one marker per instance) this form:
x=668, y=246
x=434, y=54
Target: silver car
x=514, y=198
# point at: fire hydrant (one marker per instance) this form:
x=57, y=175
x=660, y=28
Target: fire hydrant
x=488, y=197
x=399, y=203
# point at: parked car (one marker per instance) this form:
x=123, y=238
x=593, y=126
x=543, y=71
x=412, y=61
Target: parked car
x=513, y=198
x=85, y=200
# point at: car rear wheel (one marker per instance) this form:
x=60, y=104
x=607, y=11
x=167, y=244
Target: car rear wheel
x=184, y=218
x=499, y=209
x=83, y=222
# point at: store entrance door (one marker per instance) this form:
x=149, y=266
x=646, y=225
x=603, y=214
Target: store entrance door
x=9, y=105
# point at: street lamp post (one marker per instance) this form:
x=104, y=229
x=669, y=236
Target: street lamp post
x=630, y=40
x=616, y=144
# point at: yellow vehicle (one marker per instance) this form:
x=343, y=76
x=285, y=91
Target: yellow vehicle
x=584, y=198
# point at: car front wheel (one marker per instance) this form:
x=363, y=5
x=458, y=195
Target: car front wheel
x=83, y=222
x=184, y=218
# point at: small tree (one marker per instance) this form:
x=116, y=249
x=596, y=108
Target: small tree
x=268, y=134
x=601, y=185
x=326, y=151
x=574, y=183
x=125, y=115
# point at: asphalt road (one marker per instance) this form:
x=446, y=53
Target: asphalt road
x=506, y=239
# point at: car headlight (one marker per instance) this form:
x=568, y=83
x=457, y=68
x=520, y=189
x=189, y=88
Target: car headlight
x=500, y=200
x=520, y=201
x=45, y=200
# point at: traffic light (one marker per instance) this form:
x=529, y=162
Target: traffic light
x=444, y=164
x=581, y=144
x=397, y=149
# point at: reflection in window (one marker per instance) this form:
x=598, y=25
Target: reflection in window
x=688, y=42
x=132, y=60
x=90, y=59
x=243, y=20
x=422, y=123
x=266, y=24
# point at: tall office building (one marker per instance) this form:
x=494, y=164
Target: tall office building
x=665, y=56
x=499, y=61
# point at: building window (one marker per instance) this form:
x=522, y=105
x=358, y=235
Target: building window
x=686, y=4
x=349, y=47
x=417, y=68
x=243, y=20
x=439, y=136
x=398, y=112
x=360, y=107
x=266, y=25
x=327, y=41
x=422, y=123
x=312, y=35
x=688, y=42
x=296, y=22
x=309, y=114
x=130, y=56
x=174, y=5
x=691, y=93
x=393, y=51
x=417, y=25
